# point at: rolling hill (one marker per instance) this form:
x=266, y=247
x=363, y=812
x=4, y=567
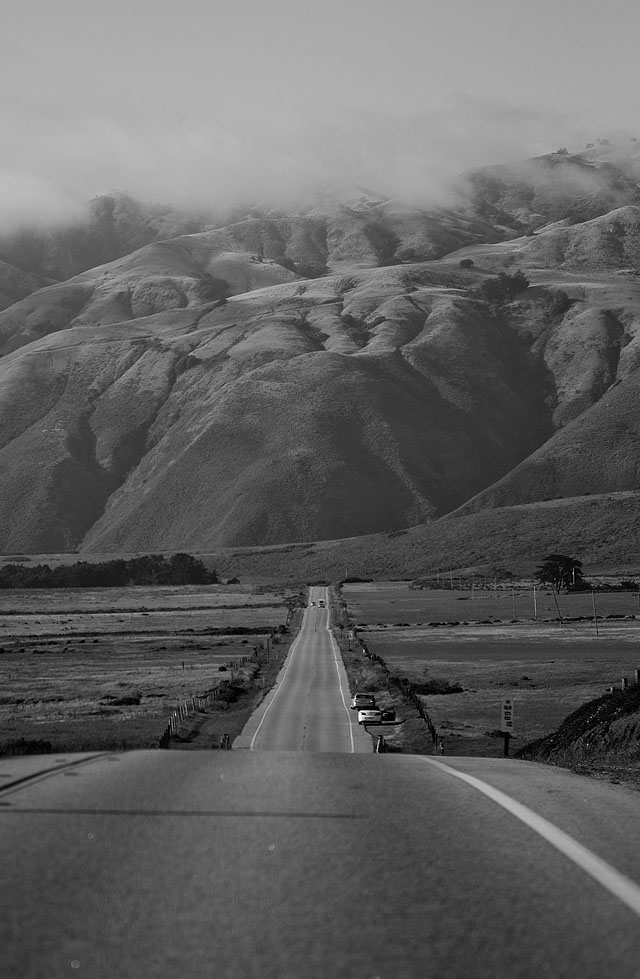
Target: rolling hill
x=442, y=379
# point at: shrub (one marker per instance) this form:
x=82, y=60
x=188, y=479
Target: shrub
x=556, y=304
x=213, y=289
x=228, y=693
x=437, y=687
x=502, y=288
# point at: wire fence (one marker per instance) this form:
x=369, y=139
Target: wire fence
x=200, y=702
x=409, y=694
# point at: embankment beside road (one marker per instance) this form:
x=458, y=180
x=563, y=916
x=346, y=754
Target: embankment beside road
x=601, y=738
x=370, y=674
x=225, y=717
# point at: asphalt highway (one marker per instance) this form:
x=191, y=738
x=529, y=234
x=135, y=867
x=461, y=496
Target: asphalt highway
x=308, y=708
x=313, y=864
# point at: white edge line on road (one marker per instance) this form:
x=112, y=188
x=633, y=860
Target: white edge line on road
x=292, y=651
x=336, y=650
x=616, y=883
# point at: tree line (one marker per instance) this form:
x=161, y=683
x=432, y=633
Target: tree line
x=150, y=569
x=564, y=573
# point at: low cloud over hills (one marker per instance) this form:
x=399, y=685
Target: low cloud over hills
x=340, y=369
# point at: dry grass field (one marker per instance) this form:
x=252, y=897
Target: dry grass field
x=548, y=669
x=94, y=669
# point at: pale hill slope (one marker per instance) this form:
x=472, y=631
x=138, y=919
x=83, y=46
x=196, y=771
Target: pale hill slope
x=601, y=530
x=16, y=284
x=225, y=387
x=558, y=186
x=314, y=409
x=296, y=411
x=608, y=242
x=338, y=228
x=160, y=277
x=597, y=453
x=330, y=232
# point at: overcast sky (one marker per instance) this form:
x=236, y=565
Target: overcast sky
x=208, y=101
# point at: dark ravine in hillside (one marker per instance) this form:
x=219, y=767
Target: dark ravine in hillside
x=327, y=373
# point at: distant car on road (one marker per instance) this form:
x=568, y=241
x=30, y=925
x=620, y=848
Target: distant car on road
x=370, y=715
x=362, y=700
x=312, y=603
x=321, y=603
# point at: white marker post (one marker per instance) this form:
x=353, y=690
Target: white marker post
x=507, y=723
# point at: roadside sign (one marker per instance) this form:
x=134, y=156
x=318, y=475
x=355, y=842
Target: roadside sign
x=508, y=719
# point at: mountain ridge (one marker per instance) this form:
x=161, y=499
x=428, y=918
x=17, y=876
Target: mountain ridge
x=330, y=374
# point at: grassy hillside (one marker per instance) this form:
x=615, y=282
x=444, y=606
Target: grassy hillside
x=351, y=367
x=600, y=530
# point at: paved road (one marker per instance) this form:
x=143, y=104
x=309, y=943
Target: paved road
x=314, y=863
x=308, y=709
x=301, y=865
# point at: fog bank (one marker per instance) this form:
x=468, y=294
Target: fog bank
x=233, y=155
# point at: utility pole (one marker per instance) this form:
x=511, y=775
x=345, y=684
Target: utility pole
x=555, y=598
